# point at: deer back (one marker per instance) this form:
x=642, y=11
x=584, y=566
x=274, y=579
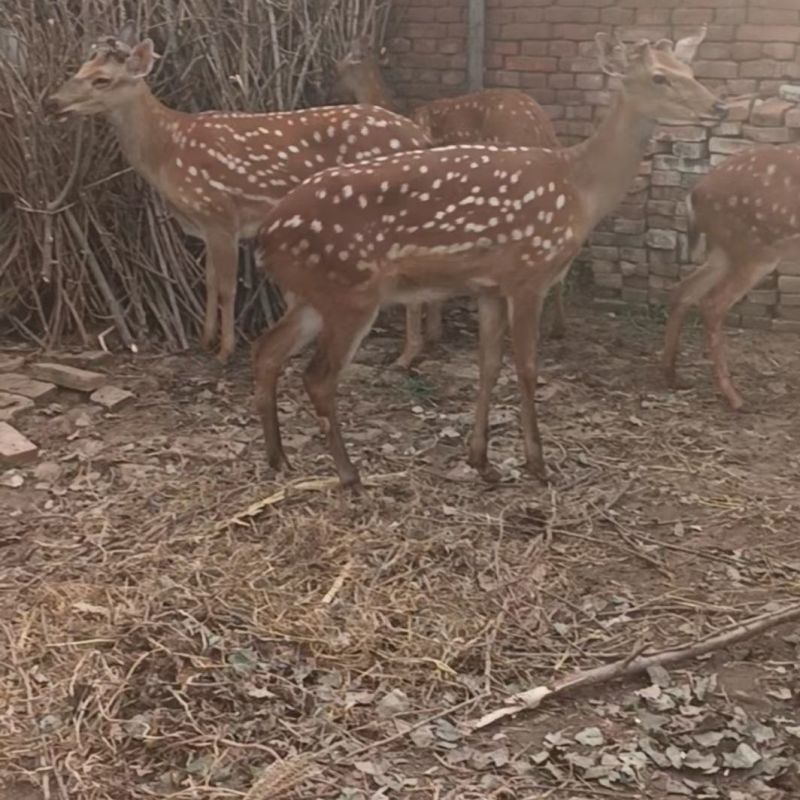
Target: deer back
x=495, y=116
x=751, y=199
x=431, y=219
x=235, y=163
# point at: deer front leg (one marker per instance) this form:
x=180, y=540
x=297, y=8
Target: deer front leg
x=433, y=323
x=223, y=251
x=212, y=303
x=491, y=323
x=524, y=315
x=415, y=343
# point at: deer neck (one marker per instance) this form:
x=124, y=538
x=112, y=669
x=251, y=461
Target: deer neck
x=375, y=91
x=605, y=165
x=143, y=129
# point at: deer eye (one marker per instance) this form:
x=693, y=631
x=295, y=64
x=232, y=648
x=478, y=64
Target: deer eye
x=101, y=83
x=660, y=78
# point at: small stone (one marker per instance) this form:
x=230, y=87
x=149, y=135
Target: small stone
x=12, y=405
x=69, y=377
x=9, y=363
x=15, y=449
x=47, y=471
x=15, y=383
x=112, y=397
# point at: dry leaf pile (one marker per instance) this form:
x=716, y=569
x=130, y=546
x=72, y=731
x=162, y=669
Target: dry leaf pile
x=178, y=623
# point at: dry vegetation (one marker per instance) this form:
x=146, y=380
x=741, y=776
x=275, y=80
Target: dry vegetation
x=176, y=619
x=88, y=247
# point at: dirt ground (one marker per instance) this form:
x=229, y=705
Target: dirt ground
x=175, y=618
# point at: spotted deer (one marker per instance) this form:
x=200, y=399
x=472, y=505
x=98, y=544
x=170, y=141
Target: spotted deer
x=748, y=210
x=502, y=223
x=491, y=116
x=221, y=172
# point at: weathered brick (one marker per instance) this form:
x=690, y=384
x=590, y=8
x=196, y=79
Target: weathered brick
x=770, y=112
x=10, y=363
x=718, y=144
x=789, y=284
x=112, y=397
x=12, y=405
x=69, y=377
x=766, y=135
x=16, y=383
x=15, y=449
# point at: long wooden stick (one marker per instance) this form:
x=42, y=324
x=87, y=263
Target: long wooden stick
x=625, y=667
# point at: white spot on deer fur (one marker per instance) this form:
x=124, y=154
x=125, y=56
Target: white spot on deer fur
x=293, y=222
x=347, y=191
x=316, y=226
x=362, y=201
x=178, y=162
x=560, y=200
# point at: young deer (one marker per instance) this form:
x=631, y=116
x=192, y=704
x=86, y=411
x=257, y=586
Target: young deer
x=749, y=212
x=220, y=172
x=492, y=116
x=501, y=223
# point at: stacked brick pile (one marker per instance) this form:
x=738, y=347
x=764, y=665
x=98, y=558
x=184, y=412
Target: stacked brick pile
x=641, y=252
x=546, y=47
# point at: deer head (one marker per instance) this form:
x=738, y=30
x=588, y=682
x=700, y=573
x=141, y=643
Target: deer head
x=115, y=69
x=658, y=77
x=359, y=72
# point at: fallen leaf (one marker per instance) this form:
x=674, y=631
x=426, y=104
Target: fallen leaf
x=590, y=736
x=744, y=757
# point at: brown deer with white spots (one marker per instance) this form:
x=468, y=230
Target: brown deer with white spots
x=221, y=172
x=748, y=209
x=491, y=116
x=502, y=223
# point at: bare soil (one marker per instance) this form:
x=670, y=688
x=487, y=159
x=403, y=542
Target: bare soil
x=175, y=618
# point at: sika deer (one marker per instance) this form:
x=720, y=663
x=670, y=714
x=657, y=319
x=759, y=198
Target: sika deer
x=501, y=223
x=749, y=211
x=221, y=172
x=491, y=116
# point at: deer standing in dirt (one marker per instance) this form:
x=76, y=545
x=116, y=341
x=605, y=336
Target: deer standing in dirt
x=748, y=209
x=502, y=223
x=221, y=172
x=490, y=116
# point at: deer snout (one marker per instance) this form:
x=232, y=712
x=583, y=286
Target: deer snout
x=53, y=104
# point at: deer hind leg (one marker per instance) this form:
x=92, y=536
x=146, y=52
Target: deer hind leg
x=688, y=292
x=524, y=315
x=491, y=322
x=336, y=346
x=415, y=342
x=223, y=251
x=271, y=351
x=732, y=288
x=558, y=328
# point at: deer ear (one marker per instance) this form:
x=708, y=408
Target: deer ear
x=610, y=55
x=686, y=48
x=128, y=34
x=140, y=62
x=642, y=52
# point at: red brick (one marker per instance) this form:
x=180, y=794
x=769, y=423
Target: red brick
x=692, y=16
x=780, y=50
x=769, y=33
x=531, y=63
x=746, y=51
x=15, y=449
x=716, y=69
x=770, y=112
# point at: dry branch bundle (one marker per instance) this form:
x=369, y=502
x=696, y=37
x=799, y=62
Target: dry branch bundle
x=85, y=246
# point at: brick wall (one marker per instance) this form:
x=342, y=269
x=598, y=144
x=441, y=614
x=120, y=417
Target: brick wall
x=546, y=48
x=428, y=49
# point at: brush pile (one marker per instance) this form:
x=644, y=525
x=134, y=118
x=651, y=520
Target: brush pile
x=85, y=247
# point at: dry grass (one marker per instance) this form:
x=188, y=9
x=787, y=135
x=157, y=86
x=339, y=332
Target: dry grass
x=176, y=620
x=87, y=247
